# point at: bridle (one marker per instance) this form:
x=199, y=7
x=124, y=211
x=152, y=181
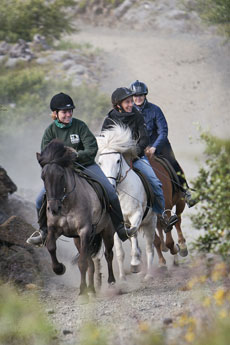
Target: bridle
x=64, y=190
x=119, y=177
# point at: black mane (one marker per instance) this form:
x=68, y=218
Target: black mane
x=56, y=152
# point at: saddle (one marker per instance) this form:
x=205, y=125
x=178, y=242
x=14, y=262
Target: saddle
x=148, y=190
x=172, y=173
x=98, y=188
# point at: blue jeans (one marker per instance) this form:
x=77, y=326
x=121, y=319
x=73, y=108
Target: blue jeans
x=143, y=165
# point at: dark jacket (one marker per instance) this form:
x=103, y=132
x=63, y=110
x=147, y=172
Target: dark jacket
x=135, y=122
x=77, y=136
x=156, y=125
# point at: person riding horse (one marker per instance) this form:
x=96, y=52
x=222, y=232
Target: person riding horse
x=76, y=135
x=125, y=113
x=157, y=129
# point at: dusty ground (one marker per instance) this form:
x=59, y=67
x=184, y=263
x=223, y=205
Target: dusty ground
x=188, y=77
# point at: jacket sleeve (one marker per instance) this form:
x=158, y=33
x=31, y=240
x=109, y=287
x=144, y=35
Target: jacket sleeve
x=143, y=138
x=90, y=145
x=162, y=129
x=47, y=137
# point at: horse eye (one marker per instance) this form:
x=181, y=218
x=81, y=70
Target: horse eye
x=118, y=161
x=99, y=163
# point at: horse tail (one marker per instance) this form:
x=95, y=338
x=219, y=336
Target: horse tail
x=95, y=244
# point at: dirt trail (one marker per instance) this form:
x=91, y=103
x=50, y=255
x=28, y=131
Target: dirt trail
x=188, y=77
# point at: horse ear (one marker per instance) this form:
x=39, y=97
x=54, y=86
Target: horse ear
x=38, y=156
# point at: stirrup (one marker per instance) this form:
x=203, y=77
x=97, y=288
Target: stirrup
x=38, y=240
x=168, y=222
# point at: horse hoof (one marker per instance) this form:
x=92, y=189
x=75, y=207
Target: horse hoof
x=135, y=268
x=148, y=278
x=61, y=270
x=83, y=299
x=183, y=252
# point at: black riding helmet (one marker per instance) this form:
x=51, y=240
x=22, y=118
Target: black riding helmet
x=120, y=94
x=61, y=101
x=139, y=88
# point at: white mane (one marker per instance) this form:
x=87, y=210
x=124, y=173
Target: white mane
x=118, y=138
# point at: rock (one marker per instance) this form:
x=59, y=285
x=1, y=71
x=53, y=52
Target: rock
x=39, y=41
x=76, y=69
x=21, y=50
x=66, y=331
x=167, y=321
x=59, y=55
x=123, y=8
x=4, y=48
x=7, y=186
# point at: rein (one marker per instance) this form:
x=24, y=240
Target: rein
x=119, y=177
x=65, y=194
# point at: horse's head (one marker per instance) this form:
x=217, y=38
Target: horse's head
x=113, y=144
x=54, y=159
x=111, y=164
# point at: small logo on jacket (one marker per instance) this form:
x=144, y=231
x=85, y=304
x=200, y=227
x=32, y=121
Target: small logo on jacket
x=74, y=138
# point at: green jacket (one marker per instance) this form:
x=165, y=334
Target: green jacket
x=77, y=136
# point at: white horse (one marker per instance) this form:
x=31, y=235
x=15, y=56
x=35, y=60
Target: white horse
x=116, y=147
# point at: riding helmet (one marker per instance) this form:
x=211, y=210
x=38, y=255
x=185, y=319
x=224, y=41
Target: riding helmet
x=61, y=101
x=139, y=88
x=120, y=94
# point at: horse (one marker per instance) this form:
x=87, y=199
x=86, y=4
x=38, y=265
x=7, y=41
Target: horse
x=74, y=210
x=172, y=198
x=115, y=148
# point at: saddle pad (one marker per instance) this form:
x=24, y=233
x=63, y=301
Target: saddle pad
x=98, y=188
x=148, y=190
x=172, y=173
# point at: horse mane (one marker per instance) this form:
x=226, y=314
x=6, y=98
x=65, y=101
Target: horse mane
x=118, y=138
x=56, y=152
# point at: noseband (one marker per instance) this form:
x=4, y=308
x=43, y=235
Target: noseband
x=119, y=177
x=64, y=190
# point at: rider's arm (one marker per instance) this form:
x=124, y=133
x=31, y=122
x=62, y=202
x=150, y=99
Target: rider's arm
x=89, y=142
x=162, y=129
x=143, y=138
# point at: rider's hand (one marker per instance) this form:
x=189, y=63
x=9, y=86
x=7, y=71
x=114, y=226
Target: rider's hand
x=150, y=150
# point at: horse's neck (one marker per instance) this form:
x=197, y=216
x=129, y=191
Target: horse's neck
x=131, y=180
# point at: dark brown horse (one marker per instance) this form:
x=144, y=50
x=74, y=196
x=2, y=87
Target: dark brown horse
x=74, y=210
x=171, y=199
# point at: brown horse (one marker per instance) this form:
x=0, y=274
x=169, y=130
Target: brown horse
x=74, y=210
x=171, y=199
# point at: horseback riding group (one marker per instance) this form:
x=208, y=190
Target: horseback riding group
x=91, y=202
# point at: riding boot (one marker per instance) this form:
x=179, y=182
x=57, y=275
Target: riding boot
x=39, y=237
x=118, y=222
x=190, y=201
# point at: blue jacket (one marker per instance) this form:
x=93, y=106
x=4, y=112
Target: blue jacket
x=156, y=125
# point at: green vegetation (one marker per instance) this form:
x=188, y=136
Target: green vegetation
x=22, y=321
x=24, y=18
x=212, y=12
x=213, y=191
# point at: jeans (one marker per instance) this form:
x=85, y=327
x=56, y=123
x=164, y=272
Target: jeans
x=143, y=165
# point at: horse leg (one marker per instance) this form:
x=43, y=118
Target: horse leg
x=161, y=235
x=120, y=254
x=58, y=267
x=83, y=259
x=98, y=274
x=170, y=244
x=108, y=240
x=149, y=237
x=135, y=255
x=157, y=244
x=91, y=270
x=180, y=205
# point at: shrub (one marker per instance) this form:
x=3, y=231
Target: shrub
x=22, y=320
x=24, y=18
x=213, y=189
x=213, y=12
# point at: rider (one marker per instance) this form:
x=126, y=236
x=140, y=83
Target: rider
x=75, y=134
x=157, y=128
x=124, y=113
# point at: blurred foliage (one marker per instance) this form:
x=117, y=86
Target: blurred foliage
x=84, y=4
x=25, y=18
x=213, y=191
x=91, y=334
x=213, y=12
x=22, y=320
